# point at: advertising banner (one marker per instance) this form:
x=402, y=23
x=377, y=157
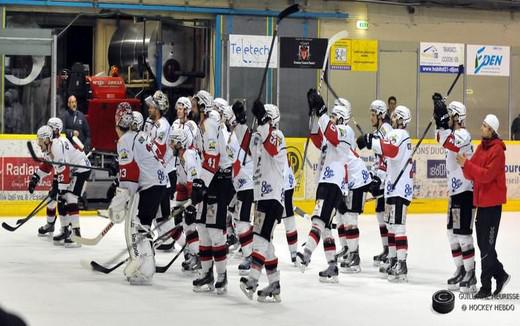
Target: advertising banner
x=364, y=55
x=251, y=51
x=340, y=55
x=302, y=52
x=442, y=58
x=295, y=147
x=487, y=60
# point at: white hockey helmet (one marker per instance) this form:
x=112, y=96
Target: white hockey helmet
x=179, y=136
x=44, y=132
x=137, y=123
x=185, y=102
x=403, y=113
x=204, y=100
x=56, y=124
x=343, y=102
x=379, y=107
x=228, y=115
x=343, y=112
x=273, y=112
x=124, y=117
x=219, y=103
x=457, y=108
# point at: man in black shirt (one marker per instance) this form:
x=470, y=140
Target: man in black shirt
x=75, y=124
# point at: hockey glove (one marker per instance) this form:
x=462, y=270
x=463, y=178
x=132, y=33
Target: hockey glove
x=260, y=113
x=316, y=103
x=111, y=192
x=190, y=214
x=240, y=112
x=53, y=193
x=375, y=186
x=33, y=182
x=198, y=191
x=118, y=206
x=440, y=112
x=365, y=141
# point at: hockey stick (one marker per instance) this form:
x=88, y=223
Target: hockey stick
x=93, y=241
x=39, y=159
x=460, y=72
x=22, y=221
x=163, y=269
x=283, y=14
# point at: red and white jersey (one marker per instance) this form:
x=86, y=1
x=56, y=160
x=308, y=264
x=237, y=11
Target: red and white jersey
x=188, y=170
x=242, y=174
x=213, y=147
x=228, y=158
x=269, y=155
x=340, y=164
x=157, y=133
x=456, y=142
x=397, y=149
x=194, y=131
x=379, y=166
x=139, y=168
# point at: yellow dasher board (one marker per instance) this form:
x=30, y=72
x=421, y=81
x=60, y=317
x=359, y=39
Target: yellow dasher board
x=295, y=147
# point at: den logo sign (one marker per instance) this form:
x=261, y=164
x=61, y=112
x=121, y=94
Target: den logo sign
x=488, y=60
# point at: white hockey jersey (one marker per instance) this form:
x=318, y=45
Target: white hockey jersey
x=397, y=149
x=194, y=131
x=340, y=164
x=456, y=142
x=157, y=133
x=288, y=176
x=379, y=166
x=139, y=168
x=242, y=174
x=214, y=147
x=270, y=159
x=188, y=170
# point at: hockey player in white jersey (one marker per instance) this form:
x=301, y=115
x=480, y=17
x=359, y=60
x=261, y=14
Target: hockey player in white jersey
x=183, y=107
x=142, y=185
x=452, y=135
x=381, y=129
x=267, y=146
x=157, y=128
x=397, y=149
x=70, y=180
x=213, y=189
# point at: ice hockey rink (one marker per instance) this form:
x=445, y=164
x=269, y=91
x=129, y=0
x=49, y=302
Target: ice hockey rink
x=46, y=284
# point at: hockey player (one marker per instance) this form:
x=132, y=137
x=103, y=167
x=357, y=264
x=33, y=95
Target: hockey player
x=213, y=188
x=452, y=135
x=157, y=128
x=70, y=180
x=381, y=129
x=183, y=107
x=269, y=154
x=188, y=169
x=397, y=149
x=142, y=184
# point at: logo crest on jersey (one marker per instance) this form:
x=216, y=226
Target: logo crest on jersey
x=393, y=139
x=241, y=182
x=161, y=135
x=408, y=190
x=141, y=139
x=328, y=173
x=455, y=183
x=266, y=188
x=193, y=172
x=123, y=154
x=291, y=181
x=212, y=145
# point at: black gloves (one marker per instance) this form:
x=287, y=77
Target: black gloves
x=33, y=182
x=53, y=193
x=316, y=103
x=111, y=192
x=240, y=112
x=365, y=141
x=375, y=186
x=198, y=191
x=190, y=214
x=260, y=113
x=113, y=169
x=440, y=112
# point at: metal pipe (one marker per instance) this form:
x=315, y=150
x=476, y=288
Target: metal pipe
x=171, y=8
x=54, y=73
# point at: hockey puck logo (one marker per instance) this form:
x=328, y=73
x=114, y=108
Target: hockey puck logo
x=443, y=301
x=295, y=158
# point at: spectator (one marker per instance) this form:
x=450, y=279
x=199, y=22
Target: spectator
x=75, y=124
x=515, y=128
x=392, y=103
x=486, y=169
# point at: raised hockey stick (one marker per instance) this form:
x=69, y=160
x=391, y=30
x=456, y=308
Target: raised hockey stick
x=283, y=14
x=460, y=72
x=163, y=269
x=22, y=221
x=39, y=159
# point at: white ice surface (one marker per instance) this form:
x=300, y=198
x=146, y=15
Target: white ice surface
x=47, y=286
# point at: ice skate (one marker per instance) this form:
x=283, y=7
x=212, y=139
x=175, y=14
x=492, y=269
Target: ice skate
x=293, y=258
x=68, y=243
x=303, y=260
x=248, y=286
x=399, y=272
x=270, y=293
x=330, y=274
x=245, y=266
x=232, y=243
x=352, y=264
x=221, y=284
x=60, y=238
x=47, y=230
x=387, y=265
x=469, y=282
x=453, y=282
x=342, y=255
x=205, y=282
x=378, y=259
x=191, y=263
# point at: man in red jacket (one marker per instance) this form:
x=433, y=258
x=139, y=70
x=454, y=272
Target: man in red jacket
x=487, y=171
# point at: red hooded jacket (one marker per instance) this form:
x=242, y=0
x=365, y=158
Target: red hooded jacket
x=487, y=170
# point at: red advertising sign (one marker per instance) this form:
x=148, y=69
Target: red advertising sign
x=16, y=172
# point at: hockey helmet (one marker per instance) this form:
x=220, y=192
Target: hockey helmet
x=379, y=108
x=457, y=108
x=56, y=124
x=402, y=113
x=273, y=113
x=124, y=117
x=138, y=121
